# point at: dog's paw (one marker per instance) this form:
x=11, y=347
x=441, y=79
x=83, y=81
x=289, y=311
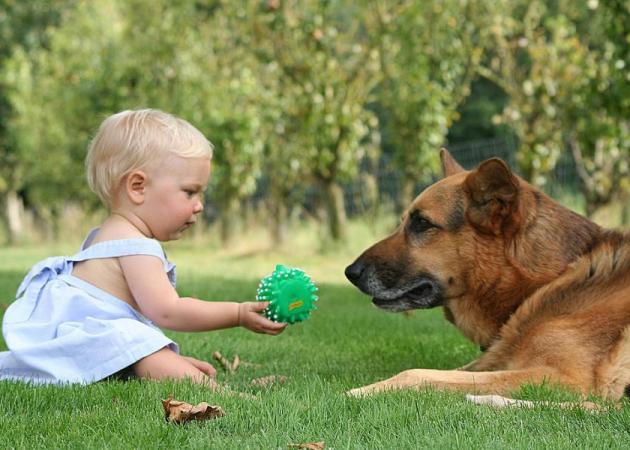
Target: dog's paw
x=356, y=393
x=360, y=392
x=496, y=401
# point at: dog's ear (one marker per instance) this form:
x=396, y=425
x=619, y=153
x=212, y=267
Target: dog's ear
x=449, y=165
x=493, y=191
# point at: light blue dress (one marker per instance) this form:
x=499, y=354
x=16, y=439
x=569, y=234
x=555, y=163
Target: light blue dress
x=62, y=329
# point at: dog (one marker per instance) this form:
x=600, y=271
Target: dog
x=543, y=291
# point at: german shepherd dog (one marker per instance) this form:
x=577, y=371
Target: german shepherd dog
x=543, y=291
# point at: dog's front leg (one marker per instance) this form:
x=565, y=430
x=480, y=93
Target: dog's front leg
x=499, y=382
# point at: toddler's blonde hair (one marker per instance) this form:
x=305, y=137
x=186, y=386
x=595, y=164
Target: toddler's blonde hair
x=133, y=140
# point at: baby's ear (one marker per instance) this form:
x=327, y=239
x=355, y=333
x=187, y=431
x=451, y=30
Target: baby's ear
x=135, y=185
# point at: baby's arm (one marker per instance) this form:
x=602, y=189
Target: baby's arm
x=158, y=300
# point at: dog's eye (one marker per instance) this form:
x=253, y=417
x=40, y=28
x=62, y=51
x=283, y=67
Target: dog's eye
x=419, y=224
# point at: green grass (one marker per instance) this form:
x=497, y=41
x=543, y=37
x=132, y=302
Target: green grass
x=345, y=344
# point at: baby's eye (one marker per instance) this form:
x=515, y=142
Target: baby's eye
x=189, y=193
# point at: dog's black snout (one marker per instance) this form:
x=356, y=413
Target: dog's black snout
x=353, y=271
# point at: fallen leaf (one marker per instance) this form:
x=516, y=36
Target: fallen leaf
x=235, y=364
x=268, y=380
x=223, y=361
x=181, y=412
x=310, y=445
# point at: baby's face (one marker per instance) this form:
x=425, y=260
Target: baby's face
x=173, y=196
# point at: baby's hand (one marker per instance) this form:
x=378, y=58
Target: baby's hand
x=249, y=318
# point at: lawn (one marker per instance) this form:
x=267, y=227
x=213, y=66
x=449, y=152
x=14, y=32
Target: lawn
x=346, y=343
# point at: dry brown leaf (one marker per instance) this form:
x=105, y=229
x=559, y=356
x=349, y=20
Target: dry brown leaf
x=227, y=365
x=181, y=412
x=310, y=445
x=222, y=360
x=268, y=380
x=236, y=363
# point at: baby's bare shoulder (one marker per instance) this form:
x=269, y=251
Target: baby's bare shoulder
x=106, y=274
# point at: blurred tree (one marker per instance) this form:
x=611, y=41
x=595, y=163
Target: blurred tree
x=485, y=101
x=326, y=69
x=562, y=66
x=108, y=56
x=289, y=88
x=233, y=113
x=23, y=27
x=283, y=166
x=189, y=59
x=533, y=58
x=59, y=93
x=528, y=59
x=598, y=113
x=430, y=52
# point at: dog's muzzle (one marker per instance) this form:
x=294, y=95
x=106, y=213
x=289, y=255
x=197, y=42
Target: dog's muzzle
x=419, y=292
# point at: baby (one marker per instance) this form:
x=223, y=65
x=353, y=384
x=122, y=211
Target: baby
x=96, y=314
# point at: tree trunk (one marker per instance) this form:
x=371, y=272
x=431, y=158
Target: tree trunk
x=228, y=220
x=335, y=210
x=247, y=213
x=55, y=220
x=371, y=195
x=14, y=217
x=279, y=213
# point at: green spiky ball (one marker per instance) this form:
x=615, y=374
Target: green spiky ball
x=291, y=294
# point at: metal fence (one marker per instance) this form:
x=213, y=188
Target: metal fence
x=562, y=180
x=388, y=182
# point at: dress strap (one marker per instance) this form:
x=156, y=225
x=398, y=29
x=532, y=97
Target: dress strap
x=50, y=268
x=126, y=247
x=122, y=247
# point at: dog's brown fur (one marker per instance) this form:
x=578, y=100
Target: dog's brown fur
x=544, y=290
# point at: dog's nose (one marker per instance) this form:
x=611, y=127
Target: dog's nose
x=353, y=271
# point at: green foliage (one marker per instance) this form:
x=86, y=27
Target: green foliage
x=321, y=68
x=195, y=66
x=22, y=27
x=109, y=56
x=429, y=54
x=597, y=123
x=326, y=69
x=486, y=100
x=289, y=92
x=59, y=94
x=562, y=68
x=534, y=57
